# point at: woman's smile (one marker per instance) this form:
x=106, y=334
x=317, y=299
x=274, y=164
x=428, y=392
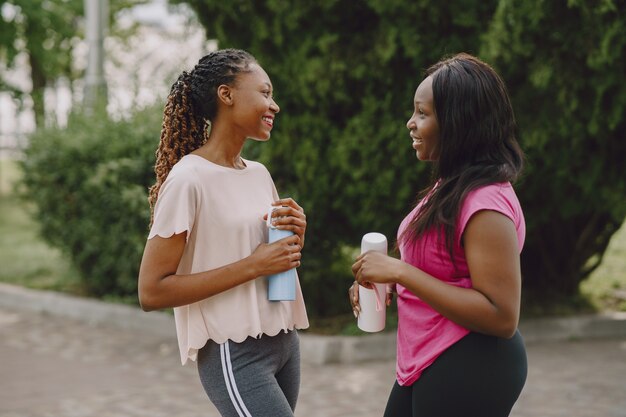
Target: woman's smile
x=269, y=120
x=416, y=141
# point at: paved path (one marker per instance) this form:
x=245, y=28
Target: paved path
x=55, y=367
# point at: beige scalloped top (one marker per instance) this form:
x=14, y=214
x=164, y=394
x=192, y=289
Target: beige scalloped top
x=222, y=209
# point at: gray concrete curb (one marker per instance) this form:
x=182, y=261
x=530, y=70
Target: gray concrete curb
x=315, y=349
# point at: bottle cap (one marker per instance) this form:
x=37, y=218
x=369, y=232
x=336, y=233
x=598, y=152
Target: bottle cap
x=374, y=241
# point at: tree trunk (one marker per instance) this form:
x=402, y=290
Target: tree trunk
x=561, y=254
x=37, y=93
x=38, y=79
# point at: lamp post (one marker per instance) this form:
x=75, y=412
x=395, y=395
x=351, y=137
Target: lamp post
x=96, y=18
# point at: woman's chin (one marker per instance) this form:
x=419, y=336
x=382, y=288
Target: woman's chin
x=260, y=138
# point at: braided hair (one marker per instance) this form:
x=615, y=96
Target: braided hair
x=190, y=108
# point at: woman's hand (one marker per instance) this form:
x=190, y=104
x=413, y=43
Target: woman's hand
x=357, y=270
x=289, y=216
x=282, y=255
x=376, y=267
x=353, y=295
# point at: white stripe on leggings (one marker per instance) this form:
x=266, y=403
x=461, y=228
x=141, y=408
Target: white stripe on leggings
x=229, y=379
x=227, y=382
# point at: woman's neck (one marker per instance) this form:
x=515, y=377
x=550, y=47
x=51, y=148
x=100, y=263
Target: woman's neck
x=223, y=149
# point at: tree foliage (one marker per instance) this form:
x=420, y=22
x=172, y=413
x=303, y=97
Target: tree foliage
x=344, y=73
x=88, y=183
x=565, y=67
x=47, y=32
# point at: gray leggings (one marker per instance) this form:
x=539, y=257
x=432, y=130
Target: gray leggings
x=257, y=377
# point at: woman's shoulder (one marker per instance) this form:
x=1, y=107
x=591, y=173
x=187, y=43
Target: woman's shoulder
x=185, y=169
x=497, y=196
x=494, y=190
x=188, y=162
x=255, y=165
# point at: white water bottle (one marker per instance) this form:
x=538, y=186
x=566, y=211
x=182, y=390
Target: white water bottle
x=372, y=301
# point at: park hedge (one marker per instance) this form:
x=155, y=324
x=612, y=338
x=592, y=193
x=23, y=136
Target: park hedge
x=89, y=184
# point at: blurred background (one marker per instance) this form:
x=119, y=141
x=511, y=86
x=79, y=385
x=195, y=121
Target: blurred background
x=83, y=84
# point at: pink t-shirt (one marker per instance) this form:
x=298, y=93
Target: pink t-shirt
x=423, y=333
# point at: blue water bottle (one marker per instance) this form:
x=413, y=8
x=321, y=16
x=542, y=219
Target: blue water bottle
x=280, y=286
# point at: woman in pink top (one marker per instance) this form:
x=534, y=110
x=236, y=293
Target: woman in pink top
x=206, y=254
x=458, y=280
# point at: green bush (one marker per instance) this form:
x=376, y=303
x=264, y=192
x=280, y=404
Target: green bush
x=564, y=63
x=344, y=73
x=89, y=185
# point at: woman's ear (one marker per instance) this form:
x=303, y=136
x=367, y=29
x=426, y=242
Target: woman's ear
x=225, y=94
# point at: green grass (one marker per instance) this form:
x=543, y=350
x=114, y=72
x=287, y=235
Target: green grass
x=606, y=287
x=9, y=174
x=25, y=258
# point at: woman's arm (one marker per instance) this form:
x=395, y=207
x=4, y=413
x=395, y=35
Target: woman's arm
x=160, y=287
x=491, y=306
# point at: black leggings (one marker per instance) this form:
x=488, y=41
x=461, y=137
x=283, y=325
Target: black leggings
x=478, y=376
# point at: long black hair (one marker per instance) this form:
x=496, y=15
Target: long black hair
x=477, y=144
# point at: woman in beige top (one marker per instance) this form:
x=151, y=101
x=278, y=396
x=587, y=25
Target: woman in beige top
x=206, y=254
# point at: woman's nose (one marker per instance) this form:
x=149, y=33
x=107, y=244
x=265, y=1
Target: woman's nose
x=274, y=107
